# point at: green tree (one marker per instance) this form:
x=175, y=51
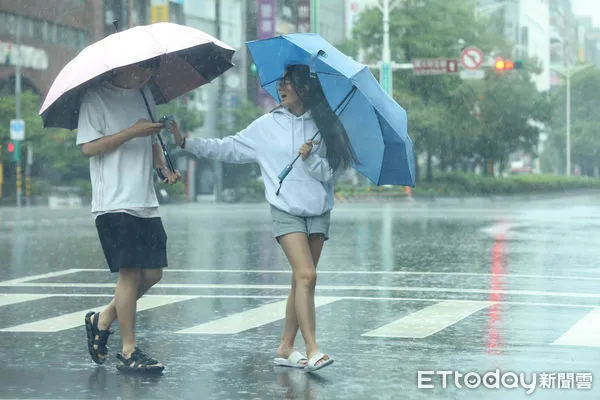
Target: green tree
x=510, y=103
x=585, y=123
x=448, y=117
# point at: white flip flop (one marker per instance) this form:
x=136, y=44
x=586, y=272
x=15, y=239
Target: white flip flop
x=292, y=361
x=311, y=364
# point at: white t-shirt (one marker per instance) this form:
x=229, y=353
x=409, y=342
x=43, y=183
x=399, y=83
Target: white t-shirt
x=122, y=180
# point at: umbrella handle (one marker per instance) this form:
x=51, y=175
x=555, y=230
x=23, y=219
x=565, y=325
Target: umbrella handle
x=288, y=168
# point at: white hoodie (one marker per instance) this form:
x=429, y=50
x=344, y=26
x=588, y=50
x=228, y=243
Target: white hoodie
x=273, y=141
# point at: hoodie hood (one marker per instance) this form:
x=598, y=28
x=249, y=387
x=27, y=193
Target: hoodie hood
x=284, y=117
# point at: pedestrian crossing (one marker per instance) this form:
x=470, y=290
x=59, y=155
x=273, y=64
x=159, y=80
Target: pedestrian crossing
x=429, y=320
x=586, y=332
x=405, y=318
x=249, y=319
x=74, y=320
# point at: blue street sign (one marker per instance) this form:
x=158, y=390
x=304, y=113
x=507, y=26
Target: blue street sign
x=385, y=79
x=17, y=129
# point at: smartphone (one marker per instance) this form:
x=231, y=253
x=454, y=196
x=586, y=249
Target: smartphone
x=166, y=118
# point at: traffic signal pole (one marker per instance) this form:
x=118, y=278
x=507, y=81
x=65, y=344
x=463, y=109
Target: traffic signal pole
x=18, y=111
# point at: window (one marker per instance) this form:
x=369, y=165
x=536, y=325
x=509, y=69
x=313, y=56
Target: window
x=45, y=31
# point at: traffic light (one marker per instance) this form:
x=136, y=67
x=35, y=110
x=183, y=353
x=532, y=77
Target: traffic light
x=253, y=69
x=14, y=150
x=502, y=65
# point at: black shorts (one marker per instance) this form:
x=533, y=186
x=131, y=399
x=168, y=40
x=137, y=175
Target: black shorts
x=132, y=242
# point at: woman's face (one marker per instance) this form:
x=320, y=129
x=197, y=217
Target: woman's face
x=289, y=96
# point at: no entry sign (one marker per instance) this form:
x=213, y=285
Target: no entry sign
x=471, y=58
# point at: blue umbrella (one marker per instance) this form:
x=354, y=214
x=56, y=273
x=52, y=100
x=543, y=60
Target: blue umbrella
x=375, y=123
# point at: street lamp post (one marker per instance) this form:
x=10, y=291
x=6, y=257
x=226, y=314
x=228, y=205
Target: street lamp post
x=568, y=120
x=18, y=110
x=385, y=78
x=568, y=73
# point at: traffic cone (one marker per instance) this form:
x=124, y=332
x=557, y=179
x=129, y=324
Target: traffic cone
x=408, y=192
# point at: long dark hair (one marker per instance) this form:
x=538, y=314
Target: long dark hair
x=339, y=150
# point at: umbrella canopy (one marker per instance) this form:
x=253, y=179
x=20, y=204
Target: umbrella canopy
x=376, y=125
x=189, y=58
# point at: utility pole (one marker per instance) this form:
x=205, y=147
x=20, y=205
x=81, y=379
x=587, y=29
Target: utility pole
x=314, y=16
x=568, y=76
x=18, y=110
x=218, y=112
x=130, y=14
x=385, y=77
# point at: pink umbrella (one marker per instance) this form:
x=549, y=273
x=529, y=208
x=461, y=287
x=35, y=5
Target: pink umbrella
x=189, y=58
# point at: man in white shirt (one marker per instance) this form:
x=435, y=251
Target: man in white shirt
x=114, y=131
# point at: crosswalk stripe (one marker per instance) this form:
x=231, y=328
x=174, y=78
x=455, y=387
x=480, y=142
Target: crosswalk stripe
x=14, y=298
x=249, y=319
x=585, y=332
x=23, y=279
x=429, y=320
x=75, y=319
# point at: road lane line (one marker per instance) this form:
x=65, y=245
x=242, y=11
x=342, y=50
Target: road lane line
x=14, y=298
x=346, y=272
x=585, y=332
x=325, y=288
x=24, y=279
x=249, y=319
x=76, y=319
x=429, y=320
x=358, y=298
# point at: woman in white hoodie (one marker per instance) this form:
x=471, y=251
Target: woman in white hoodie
x=301, y=210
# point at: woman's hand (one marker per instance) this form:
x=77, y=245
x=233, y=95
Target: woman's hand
x=305, y=149
x=174, y=129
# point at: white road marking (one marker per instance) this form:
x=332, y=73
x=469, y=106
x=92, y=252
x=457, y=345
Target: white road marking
x=346, y=272
x=429, y=320
x=36, y=277
x=14, y=298
x=76, y=319
x=249, y=319
x=357, y=298
x=585, y=332
x=325, y=288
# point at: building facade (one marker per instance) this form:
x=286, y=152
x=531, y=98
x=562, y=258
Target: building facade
x=526, y=24
x=563, y=39
x=588, y=40
x=44, y=38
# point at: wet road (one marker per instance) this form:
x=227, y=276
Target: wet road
x=473, y=287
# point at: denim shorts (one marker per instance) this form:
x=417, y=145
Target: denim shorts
x=284, y=223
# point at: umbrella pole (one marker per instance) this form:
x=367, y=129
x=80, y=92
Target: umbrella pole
x=162, y=144
x=288, y=168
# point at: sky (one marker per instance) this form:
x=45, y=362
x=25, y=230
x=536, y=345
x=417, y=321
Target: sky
x=588, y=7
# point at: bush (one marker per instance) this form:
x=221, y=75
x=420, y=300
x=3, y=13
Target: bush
x=460, y=184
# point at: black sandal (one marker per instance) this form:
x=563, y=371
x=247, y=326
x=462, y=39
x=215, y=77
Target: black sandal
x=138, y=361
x=92, y=331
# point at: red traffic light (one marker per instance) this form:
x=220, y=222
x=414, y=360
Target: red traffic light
x=10, y=147
x=506, y=65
